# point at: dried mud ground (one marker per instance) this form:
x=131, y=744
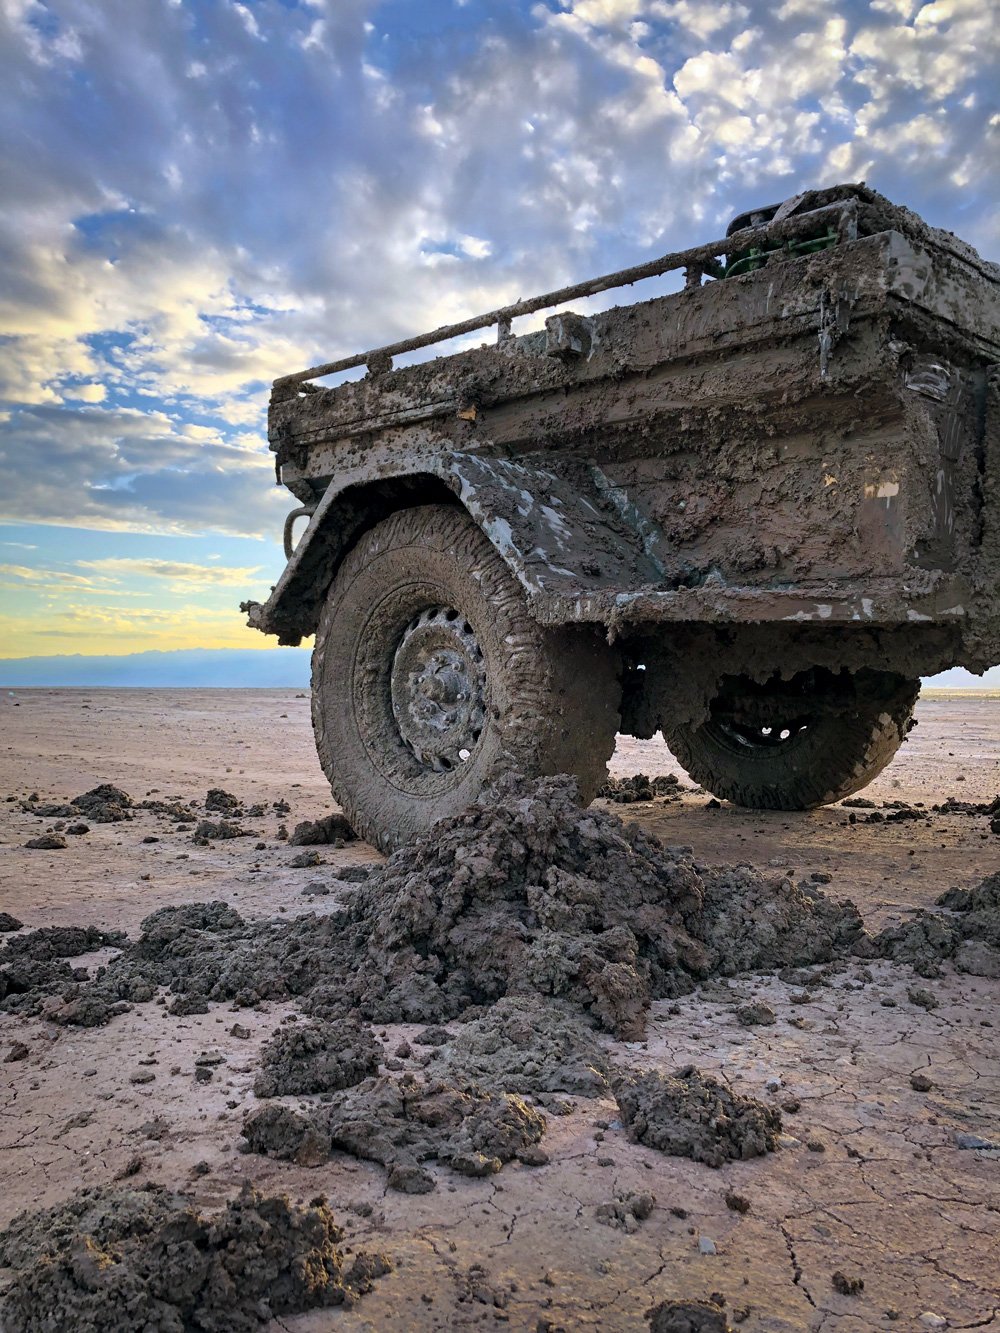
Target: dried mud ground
x=870, y=1180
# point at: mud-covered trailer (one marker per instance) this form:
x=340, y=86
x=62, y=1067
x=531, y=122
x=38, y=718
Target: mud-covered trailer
x=751, y=514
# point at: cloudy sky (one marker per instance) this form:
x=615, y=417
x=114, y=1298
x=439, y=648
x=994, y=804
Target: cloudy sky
x=199, y=195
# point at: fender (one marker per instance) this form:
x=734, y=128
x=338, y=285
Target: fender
x=565, y=535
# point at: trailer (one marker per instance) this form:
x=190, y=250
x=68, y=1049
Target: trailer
x=750, y=514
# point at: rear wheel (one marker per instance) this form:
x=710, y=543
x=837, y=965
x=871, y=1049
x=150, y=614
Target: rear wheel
x=793, y=745
x=430, y=679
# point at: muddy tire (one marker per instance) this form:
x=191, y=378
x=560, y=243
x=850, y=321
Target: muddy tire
x=798, y=745
x=430, y=679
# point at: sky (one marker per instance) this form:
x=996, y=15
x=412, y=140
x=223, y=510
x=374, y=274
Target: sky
x=199, y=195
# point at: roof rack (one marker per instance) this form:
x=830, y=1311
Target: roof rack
x=698, y=261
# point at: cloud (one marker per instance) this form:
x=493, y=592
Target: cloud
x=125, y=469
x=200, y=198
x=87, y=393
x=12, y=575
x=177, y=572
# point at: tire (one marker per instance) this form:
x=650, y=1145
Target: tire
x=842, y=731
x=430, y=679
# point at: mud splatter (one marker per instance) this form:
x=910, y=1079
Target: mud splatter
x=122, y=1259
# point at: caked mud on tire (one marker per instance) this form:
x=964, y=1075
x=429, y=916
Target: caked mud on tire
x=430, y=679
x=764, y=748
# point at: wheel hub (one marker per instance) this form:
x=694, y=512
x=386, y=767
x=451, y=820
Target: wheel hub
x=437, y=688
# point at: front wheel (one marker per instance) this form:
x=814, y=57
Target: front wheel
x=430, y=679
x=794, y=745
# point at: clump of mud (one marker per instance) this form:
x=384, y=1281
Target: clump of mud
x=104, y=805
x=626, y=1212
x=137, y=1260
x=402, y=1124
x=689, y=1114
x=9, y=923
x=688, y=1317
x=61, y=942
x=523, y=893
x=967, y=932
x=222, y=802
x=209, y=830
x=33, y=969
x=331, y=828
x=312, y=1057
x=526, y=1045
x=640, y=787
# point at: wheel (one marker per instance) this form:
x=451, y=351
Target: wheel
x=430, y=679
x=793, y=745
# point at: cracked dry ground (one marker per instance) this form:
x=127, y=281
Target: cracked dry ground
x=869, y=1181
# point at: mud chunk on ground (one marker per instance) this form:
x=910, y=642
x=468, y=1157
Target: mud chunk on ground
x=317, y=1057
x=627, y=1212
x=435, y=1035
x=306, y=860
x=639, y=787
x=523, y=893
x=528, y=1045
x=222, y=802
x=688, y=1317
x=124, y=1260
x=49, y=810
x=403, y=1123
x=354, y=874
x=212, y=830
x=9, y=923
x=48, y=842
x=756, y=1014
x=752, y=923
x=26, y=985
x=104, y=804
x=932, y=937
x=978, y=959
x=527, y=892
x=847, y=1285
x=60, y=942
x=688, y=1114
x=34, y=976
x=328, y=829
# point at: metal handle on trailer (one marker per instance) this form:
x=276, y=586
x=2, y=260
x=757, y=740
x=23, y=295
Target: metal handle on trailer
x=698, y=261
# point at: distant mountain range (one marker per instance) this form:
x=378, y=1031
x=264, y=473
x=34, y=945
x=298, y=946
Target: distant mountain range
x=207, y=668
x=237, y=668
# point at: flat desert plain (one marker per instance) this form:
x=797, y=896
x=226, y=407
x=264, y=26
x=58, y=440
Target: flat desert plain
x=880, y=1207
